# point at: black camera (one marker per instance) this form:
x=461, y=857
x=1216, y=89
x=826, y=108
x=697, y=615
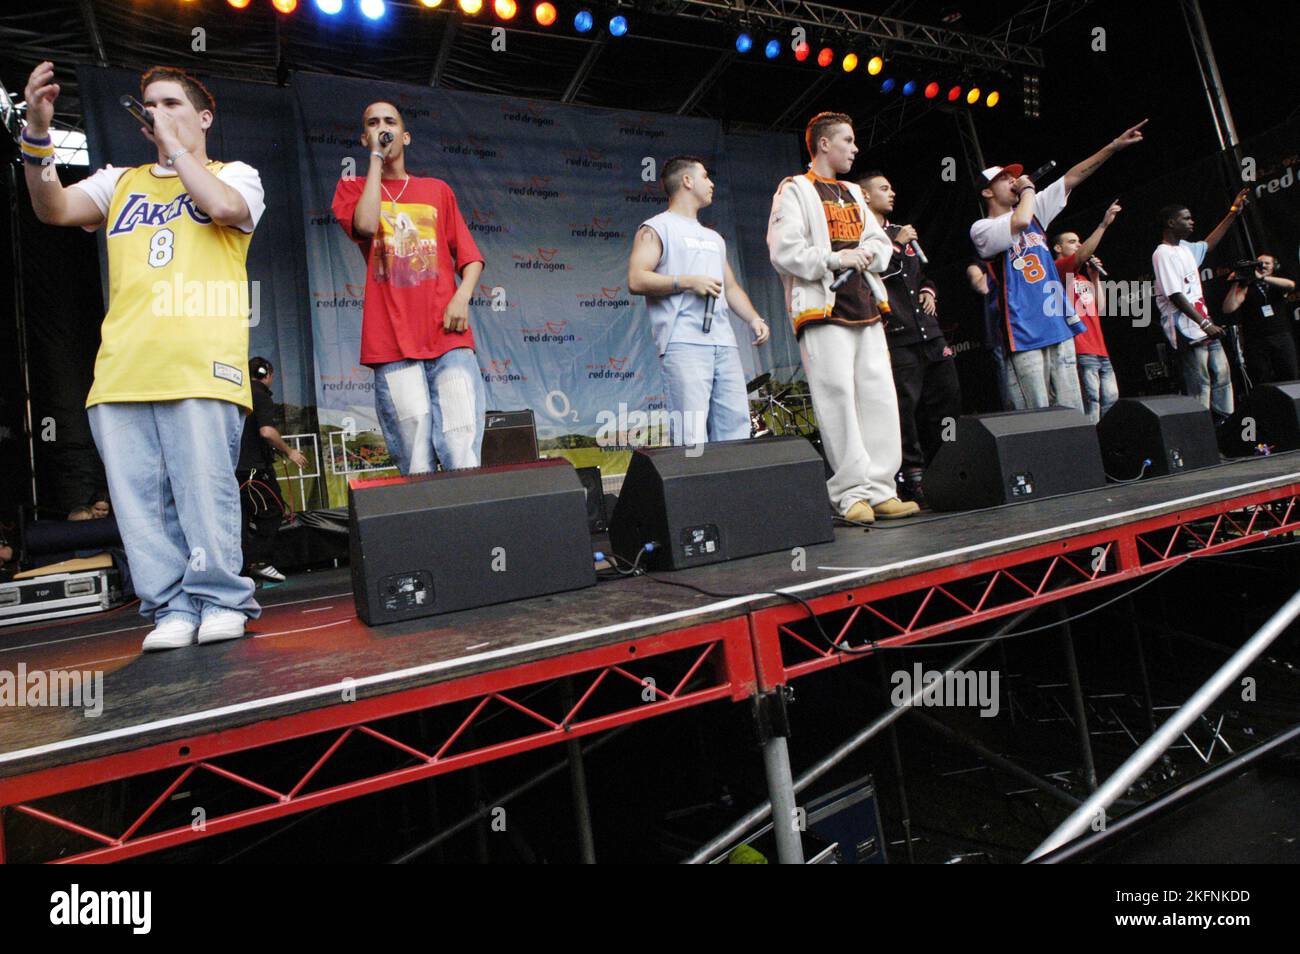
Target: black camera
x=1245, y=273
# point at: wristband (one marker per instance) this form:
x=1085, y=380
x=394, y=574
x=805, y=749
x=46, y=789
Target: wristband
x=170, y=161
x=377, y=155
x=676, y=287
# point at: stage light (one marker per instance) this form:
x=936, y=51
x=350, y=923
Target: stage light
x=285, y=6
x=372, y=9
x=887, y=85
x=505, y=9
x=470, y=7
x=330, y=7
x=850, y=63
x=992, y=99
x=431, y=4
x=744, y=43
x=973, y=95
x=825, y=57
x=909, y=87
x=544, y=13
x=875, y=65
x=801, y=52
x=954, y=94
x=238, y=4
x=617, y=25
x=773, y=49
x=931, y=90
x=584, y=21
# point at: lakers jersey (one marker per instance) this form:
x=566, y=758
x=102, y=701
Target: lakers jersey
x=179, y=300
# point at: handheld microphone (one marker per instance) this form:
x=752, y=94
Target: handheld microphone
x=915, y=246
x=842, y=279
x=1096, y=266
x=136, y=109
x=1041, y=171
x=708, y=313
x=385, y=138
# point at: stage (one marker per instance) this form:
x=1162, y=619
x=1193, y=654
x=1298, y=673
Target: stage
x=315, y=682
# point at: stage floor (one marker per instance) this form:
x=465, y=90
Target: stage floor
x=308, y=647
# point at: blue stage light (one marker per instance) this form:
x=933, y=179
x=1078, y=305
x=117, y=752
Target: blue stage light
x=773, y=49
x=373, y=9
x=330, y=7
x=744, y=43
x=887, y=85
x=584, y=21
x=909, y=87
x=617, y=25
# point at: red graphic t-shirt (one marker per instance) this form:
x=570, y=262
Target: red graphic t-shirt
x=411, y=267
x=1083, y=295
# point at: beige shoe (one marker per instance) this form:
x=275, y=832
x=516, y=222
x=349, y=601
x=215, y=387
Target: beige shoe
x=893, y=509
x=861, y=512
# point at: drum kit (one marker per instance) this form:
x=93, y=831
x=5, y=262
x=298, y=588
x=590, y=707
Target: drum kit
x=777, y=407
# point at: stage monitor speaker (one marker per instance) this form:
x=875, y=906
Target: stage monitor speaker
x=1014, y=456
x=594, y=487
x=436, y=543
x=1172, y=431
x=509, y=437
x=721, y=501
x=1276, y=412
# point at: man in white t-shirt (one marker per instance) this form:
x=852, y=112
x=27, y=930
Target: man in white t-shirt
x=1037, y=321
x=1184, y=316
x=681, y=267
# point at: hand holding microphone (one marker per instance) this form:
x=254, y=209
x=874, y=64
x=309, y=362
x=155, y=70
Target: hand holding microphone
x=851, y=260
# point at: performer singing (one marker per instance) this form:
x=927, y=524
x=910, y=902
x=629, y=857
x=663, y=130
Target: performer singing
x=820, y=226
x=925, y=372
x=681, y=267
x=1038, y=324
x=415, y=331
x=1183, y=315
x=1079, y=268
x=170, y=385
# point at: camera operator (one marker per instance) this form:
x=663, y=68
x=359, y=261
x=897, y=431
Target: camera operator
x=1260, y=295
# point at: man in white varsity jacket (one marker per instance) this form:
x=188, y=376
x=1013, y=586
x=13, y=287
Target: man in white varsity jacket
x=819, y=228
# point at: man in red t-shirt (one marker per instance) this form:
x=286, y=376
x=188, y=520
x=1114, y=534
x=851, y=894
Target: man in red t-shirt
x=1078, y=268
x=415, y=331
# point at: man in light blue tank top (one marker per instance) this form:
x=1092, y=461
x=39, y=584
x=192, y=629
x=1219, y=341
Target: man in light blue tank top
x=681, y=268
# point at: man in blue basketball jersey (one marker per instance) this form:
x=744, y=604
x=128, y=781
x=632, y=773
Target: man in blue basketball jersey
x=1037, y=321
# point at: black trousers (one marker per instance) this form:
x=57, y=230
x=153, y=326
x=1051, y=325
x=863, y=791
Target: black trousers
x=1271, y=358
x=928, y=393
x=262, y=509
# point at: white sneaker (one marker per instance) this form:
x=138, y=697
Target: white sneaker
x=221, y=625
x=269, y=572
x=172, y=633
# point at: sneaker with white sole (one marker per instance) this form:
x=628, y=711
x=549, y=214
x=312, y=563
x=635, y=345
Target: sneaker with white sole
x=220, y=625
x=173, y=632
x=268, y=572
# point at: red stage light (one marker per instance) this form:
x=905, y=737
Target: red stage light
x=953, y=94
x=544, y=13
x=931, y=91
x=505, y=9
x=801, y=52
x=826, y=56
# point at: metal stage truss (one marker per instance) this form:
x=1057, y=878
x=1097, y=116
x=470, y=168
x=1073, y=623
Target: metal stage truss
x=758, y=648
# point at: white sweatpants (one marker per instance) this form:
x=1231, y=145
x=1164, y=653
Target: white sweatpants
x=853, y=395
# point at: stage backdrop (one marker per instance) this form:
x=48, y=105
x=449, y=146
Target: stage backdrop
x=553, y=195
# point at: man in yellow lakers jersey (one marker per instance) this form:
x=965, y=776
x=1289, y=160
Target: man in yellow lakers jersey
x=171, y=377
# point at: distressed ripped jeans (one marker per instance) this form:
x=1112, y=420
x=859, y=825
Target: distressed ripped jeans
x=431, y=411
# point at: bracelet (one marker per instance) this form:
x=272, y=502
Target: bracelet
x=377, y=155
x=676, y=287
x=171, y=160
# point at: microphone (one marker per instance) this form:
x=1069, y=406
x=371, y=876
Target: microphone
x=708, y=313
x=1096, y=266
x=915, y=246
x=136, y=109
x=842, y=279
x=386, y=137
x=1041, y=171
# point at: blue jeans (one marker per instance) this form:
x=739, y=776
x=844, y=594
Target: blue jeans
x=1043, y=377
x=706, y=394
x=171, y=473
x=431, y=411
x=1207, y=378
x=1097, y=381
